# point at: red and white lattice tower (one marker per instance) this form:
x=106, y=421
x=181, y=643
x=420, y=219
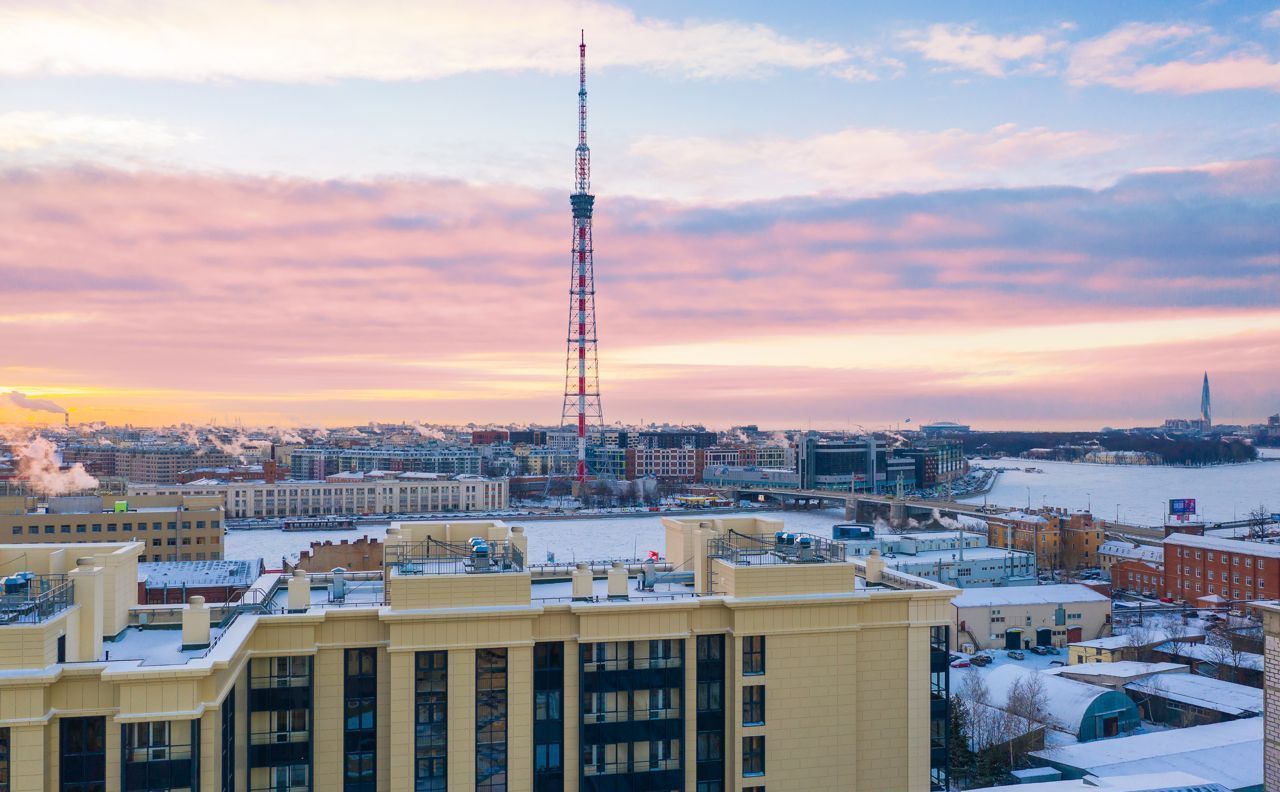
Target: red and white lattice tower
x=581, y=376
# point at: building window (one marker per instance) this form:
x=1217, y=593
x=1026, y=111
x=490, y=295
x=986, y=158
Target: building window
x=229, y=742
x=83, y=754
x=752, y=705
x=431, y=721
x=157, y=755
x=753, y=654
x=752, y=756
x=4, y=760
x=360, y=710
x=491, y=720
x=548, y=717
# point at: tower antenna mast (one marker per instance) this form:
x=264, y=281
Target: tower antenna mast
x=582, y=379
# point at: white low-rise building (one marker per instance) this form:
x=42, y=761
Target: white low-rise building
x=1019, y=617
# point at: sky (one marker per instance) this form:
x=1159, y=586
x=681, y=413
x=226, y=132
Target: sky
x=835, y=215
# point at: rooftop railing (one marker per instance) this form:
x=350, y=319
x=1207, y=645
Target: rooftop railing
x=783, y=547
x=31, y=599
x=434, y=557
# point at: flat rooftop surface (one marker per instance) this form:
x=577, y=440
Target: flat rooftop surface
x=153, y=646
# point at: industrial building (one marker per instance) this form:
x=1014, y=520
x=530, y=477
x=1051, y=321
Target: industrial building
x=1197, y=567
x=1086, y=712
x=1019, y=617
x=170, y=527
x=957, y=558
x=376, y=492
x=460, y=667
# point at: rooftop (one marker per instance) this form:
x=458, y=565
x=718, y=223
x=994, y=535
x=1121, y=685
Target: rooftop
x=1226, y=753
x=160, y=574
x=1055, y=594
x=1120, y=668
x=1202, y=691
x=1215, y=654
x=1264, y=549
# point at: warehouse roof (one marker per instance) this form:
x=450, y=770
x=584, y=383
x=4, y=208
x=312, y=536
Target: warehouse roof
x=1057, y=594
x=1201, y=691
x=162, y=574
x=1227, y=753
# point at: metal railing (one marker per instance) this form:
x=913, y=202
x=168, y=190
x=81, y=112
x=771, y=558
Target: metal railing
x=41, y=597
x=781, y=548
x=434, y=557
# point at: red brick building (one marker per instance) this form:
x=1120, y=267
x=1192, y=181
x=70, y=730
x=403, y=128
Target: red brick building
x=1140, y=576
x=1200, y=566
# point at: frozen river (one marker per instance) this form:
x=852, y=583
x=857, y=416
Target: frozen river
x=1138, y=494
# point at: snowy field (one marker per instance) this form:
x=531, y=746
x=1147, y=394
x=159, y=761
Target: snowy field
x=1138, y=494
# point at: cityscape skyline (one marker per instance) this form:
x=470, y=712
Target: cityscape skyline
x=1008, y=219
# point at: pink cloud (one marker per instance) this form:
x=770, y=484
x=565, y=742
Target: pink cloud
x=150, y=297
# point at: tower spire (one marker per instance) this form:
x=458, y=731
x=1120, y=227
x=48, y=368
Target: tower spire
x=582, y=380
x=1206, y=405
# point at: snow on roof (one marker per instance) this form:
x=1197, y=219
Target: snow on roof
x=1145, y=782
x=160, y=574
x=1119, y=668
x=1022, y=516
x=1106, y=642
x=1227, y=753
x=1202, y=691
x=1116, y=549
x=1067, y=700
x=1264, y=549
x=1056, y=594
x=1214, y=654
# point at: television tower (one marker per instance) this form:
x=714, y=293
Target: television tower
x=581, y=376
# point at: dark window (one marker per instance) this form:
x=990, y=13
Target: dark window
x=710, y=647
x=710, y=746
x=752, y=705
x=4, y=760
x=97, y=527
x=710, y=696
x=229, y=742
x=753, y=654
x=62, y=648
x=360, y=718
x=83, y=754
x=431, y=721
x=157, y=755
x=548, y=716
x=491, y=719
x=752, y=756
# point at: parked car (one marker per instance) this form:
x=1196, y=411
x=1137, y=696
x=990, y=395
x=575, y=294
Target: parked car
x=961, y=663
x=1037, y=650
x=981, y=660
x=1056, y=663
x=1052, y=650
x=951, y=658
x=1016, y=654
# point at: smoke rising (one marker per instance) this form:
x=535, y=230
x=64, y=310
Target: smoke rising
x=25, y=402
x=429, y=432
x=39, y=464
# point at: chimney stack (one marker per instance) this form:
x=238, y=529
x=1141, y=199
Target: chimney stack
x=195, y=624
x=617, y=581
x=582, y=582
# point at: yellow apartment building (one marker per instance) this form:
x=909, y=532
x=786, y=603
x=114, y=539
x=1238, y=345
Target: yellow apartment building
x=758, y=659
x=169, y=527
x=379, y=492
x=1271, y=695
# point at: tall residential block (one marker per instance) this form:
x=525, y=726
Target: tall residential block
x=763, y=658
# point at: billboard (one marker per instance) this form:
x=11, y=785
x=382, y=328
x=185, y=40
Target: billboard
x=1182, y=506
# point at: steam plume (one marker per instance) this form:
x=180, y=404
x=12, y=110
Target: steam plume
x=38, y=463
x=25, y=402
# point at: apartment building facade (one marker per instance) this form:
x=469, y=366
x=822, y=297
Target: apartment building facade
x=1207, y=566
x=144, y=464
x=380, y=492
x=170, y=527
x=467, y=672
x=320, y=462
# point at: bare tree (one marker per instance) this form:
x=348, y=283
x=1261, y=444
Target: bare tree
x=1027, y=715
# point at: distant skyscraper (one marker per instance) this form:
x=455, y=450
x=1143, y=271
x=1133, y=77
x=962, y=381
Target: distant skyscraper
x=1206, y=412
